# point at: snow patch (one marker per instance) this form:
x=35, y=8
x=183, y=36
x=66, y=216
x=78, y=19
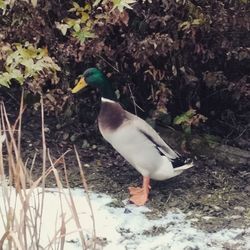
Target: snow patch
x=127, y=228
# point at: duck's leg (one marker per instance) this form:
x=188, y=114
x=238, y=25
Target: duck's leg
x=139, y=196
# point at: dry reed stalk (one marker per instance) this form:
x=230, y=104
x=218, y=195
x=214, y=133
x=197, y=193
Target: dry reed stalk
x=23, y=229
x=87, y=196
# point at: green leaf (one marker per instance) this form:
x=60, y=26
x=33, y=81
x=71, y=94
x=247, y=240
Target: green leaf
x=198, y=21
x=5, y=79
x=121, y=4
x=185, y=25
x=26, y=61
x=77, y=27
x=85, y=17
x=96, y=2
x=27, y=53
x=18, y=76
x=76, y=5
x=180, y=119
x=87, y=7
x=62, y=27
x=71, y=22
x=190, y=113
x=82, y=35
x=185, y=117
x=41, y=53
x=3, y=5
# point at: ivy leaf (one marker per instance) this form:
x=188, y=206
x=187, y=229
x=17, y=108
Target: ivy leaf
x=121, y=4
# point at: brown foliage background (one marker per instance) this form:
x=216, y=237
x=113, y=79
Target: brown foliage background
x=170, y=55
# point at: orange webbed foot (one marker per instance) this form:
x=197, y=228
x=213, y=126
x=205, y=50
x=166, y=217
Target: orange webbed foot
x=135, y=190
x=139, y=196
x=139, y=199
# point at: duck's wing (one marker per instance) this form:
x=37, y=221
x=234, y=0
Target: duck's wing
x=145, y=129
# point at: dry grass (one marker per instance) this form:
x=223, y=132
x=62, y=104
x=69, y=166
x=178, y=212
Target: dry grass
x=22, y=198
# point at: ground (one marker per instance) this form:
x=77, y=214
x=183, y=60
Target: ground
x=213, y=196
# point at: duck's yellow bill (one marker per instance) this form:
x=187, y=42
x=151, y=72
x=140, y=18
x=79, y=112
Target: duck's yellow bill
x=80, y=85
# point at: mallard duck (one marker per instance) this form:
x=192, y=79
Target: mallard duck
x=133, y=138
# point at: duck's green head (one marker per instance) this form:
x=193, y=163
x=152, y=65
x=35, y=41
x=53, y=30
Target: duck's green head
x=95, y=78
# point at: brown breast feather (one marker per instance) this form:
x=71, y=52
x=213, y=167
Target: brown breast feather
x=111, y=116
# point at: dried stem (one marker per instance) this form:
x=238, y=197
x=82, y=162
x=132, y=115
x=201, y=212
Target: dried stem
x=87, y=196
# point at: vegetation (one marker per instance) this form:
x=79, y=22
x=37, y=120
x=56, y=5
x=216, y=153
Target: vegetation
x=26, y=63
x=185, y=63
x=166, y=57
x=189, y=119
x=23, y=196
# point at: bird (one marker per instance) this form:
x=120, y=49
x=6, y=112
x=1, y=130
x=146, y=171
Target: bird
x=133, y=138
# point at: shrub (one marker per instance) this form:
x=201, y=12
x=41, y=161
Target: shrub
x=25, y=63
x=87, y=17
x=198, y=50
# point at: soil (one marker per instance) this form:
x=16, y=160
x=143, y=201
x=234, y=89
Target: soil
x=213, y=196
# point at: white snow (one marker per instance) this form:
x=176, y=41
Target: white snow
x=127, y=228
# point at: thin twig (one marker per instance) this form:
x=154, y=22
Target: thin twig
x=133, y=99
x=73, y=208
x=113, y=67
x=20, y=124
x=43, y=171
x=60, y=187
x=87, y=195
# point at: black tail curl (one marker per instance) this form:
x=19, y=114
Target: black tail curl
x=180, y=161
